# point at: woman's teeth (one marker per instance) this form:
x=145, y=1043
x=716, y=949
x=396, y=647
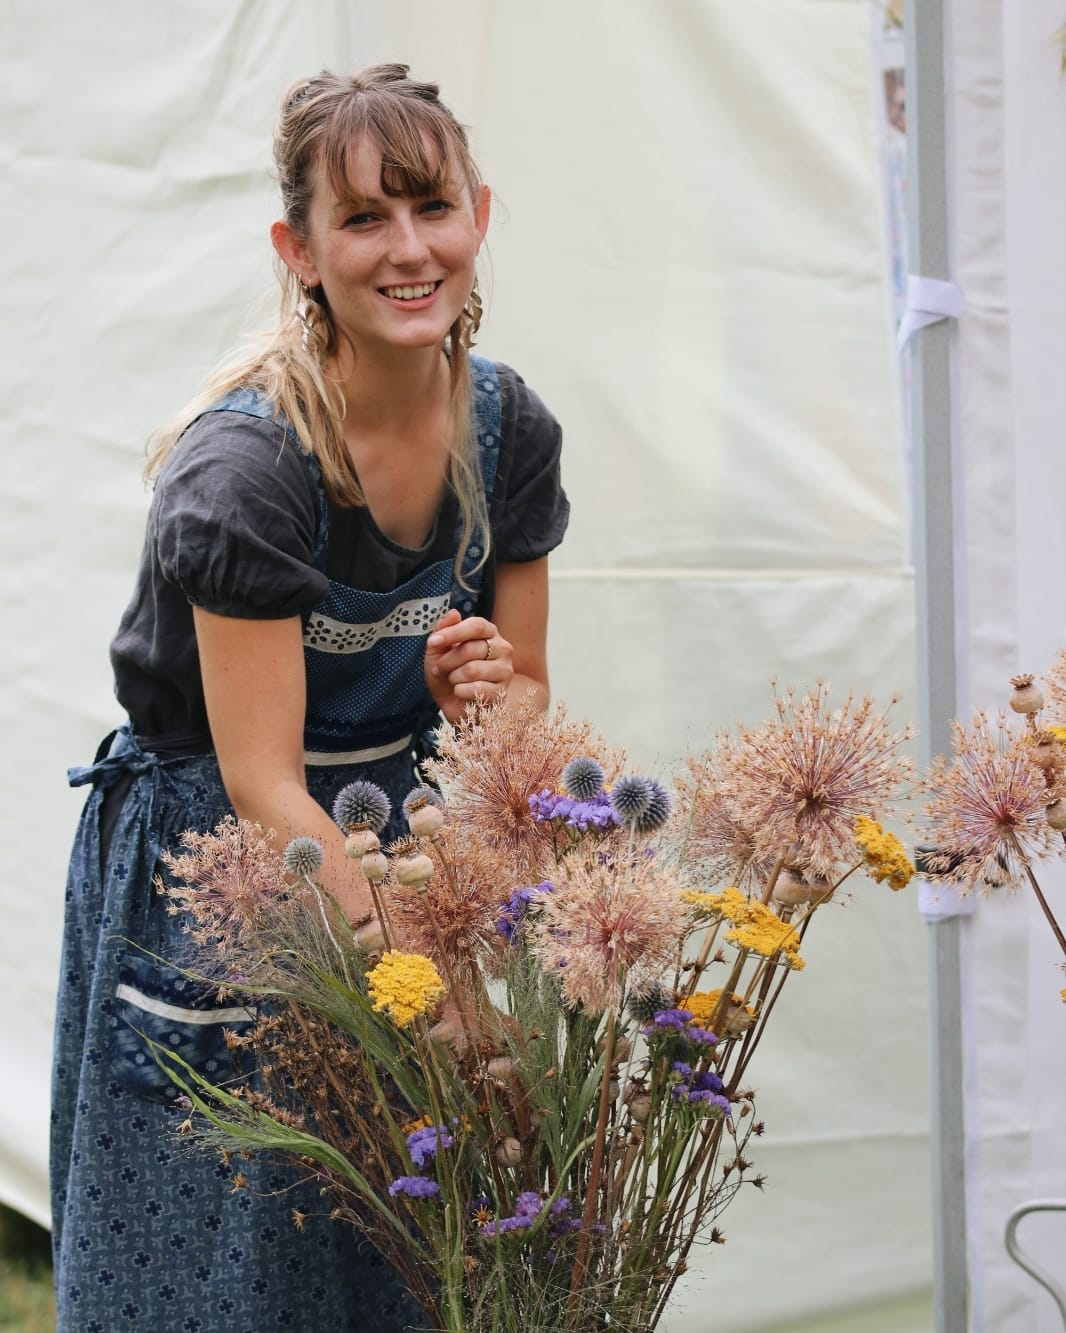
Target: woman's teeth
x=410, y=293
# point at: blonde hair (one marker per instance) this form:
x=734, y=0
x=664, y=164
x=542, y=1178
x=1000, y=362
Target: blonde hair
x=421, y=142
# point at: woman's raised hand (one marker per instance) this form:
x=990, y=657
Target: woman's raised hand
x=466, y=660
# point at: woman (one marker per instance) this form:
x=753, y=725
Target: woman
x=348, y=537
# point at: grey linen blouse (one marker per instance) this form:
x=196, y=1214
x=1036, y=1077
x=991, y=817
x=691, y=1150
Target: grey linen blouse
x=231, y=529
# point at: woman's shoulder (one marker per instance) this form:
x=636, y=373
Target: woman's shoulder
x=235, y=517
x=241, y=434
x=525, y=417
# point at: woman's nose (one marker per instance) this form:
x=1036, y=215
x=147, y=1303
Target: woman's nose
x=406, y=244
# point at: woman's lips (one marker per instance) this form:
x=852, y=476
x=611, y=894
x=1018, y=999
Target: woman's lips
x=415, y=294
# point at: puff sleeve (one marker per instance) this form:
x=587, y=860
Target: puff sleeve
x=531, y=511
x=234, y=517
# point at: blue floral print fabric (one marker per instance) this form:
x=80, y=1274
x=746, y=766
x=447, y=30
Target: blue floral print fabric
x=151, y=1232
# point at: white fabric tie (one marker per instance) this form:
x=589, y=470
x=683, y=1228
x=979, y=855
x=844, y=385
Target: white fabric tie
x=928, y=301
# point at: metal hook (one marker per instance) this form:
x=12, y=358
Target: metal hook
x=1058, y=1295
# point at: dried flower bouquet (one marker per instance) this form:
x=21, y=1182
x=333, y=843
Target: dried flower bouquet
x=998, y=807
x=527, y=1080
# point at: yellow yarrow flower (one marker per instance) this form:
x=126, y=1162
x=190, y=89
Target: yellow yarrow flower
x=767, y=935
x=730, y=904
x=703, y=1003
x=404, y=985
x=883, y=854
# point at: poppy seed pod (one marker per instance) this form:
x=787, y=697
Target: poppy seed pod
x=444, y=1033
x=1025, y=697
x=425, y=821
x=821, y=890
x=375, y=866
x=412, y=871
x=640, y=1107
x=790, y=890
x=1056, y=814
x=361, y=841
x=1046, y=751
x=370, y=937
x=509, y=1153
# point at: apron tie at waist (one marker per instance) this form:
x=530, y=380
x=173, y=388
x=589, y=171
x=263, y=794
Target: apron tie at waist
x=118, y=755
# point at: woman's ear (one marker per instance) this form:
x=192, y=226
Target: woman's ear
x=294, y=252
x=482, y=209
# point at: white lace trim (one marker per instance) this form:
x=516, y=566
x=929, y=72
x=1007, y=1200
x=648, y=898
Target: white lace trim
x=407, y=619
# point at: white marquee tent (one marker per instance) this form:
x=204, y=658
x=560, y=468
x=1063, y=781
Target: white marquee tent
x=689, y=262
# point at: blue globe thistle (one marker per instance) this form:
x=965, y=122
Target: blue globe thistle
x=302, y=856
x=644, y=1007
x=658, y=809
x=361, y=804
x=631, y=796
x=417, y=797
x=583, y=778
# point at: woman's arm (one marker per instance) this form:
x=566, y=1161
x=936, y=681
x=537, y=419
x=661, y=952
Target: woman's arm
x=254, y=687
x=458, y=668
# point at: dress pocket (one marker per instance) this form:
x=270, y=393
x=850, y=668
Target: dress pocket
x=156, y=1003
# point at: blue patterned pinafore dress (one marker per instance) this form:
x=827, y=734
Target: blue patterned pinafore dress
x=148, y=1233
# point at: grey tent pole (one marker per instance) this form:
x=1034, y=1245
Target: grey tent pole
x=931, y=432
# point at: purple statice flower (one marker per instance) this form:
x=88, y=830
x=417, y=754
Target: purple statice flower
x=561, y=1206
x=415, y=1187
x=423, y=1143
x=707, y=1081
x=703, y=1088
x=595, y=814
x=526, y=1210
x=701, y=1036
x=668, y=1021
x=712, y=1100
x=502, y=1225
x=583, y=778
x=515, y=909
x=682, y=1070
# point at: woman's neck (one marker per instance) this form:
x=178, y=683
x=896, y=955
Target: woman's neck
x=383, y=390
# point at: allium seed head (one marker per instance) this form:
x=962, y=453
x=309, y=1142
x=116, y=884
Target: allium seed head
x=361, y=804
x=631, y=796
x=658, y=809
x=583, y=778
x=303, y=856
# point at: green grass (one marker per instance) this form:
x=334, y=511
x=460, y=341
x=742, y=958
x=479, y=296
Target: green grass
x=26, y=1301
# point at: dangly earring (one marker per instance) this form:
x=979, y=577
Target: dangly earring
x=308, y=313
x=473, y=310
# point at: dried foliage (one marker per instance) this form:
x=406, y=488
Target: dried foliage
x=540, y=1151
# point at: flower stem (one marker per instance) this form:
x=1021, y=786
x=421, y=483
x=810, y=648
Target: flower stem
x=768, y=892
x=592, y=1187
x=1056, y=929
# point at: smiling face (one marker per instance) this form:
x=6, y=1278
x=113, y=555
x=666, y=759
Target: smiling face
x=395, y=268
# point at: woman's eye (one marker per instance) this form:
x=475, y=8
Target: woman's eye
x=436, y=206
x=359, y=219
